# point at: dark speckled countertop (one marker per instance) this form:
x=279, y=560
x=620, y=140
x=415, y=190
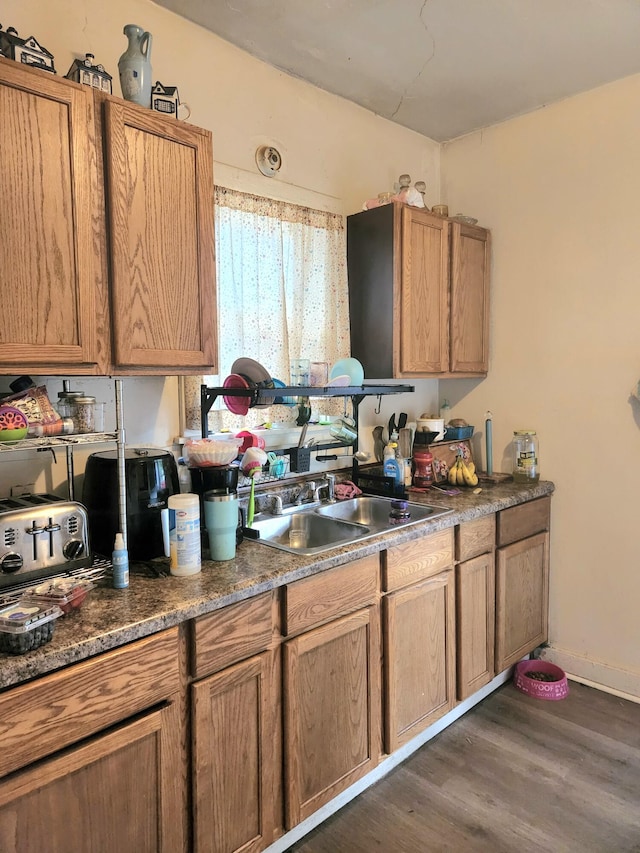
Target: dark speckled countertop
x=111, y=618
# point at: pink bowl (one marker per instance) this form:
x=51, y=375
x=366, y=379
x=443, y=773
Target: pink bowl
x=556, y=689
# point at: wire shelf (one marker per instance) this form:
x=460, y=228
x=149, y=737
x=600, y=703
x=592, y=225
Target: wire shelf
x=45, y=443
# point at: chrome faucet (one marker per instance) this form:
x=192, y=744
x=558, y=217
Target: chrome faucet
x=276, y=504
x=329, y=485
x=308, y=488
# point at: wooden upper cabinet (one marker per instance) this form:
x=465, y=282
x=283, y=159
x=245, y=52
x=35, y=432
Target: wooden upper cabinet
x=53, y=304
x=161, y=244
x=470, y=264
x=424, y=308
x=418, y=293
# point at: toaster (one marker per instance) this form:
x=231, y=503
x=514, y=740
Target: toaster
x=40, y=536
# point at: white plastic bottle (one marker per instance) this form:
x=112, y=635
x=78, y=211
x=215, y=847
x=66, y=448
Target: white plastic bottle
x=184, y=534
x=120, y=562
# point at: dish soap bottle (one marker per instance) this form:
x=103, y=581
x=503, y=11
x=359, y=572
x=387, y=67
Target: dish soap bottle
x=391, y=466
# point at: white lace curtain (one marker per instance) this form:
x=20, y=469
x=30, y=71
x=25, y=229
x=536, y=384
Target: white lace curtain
x=282, y=294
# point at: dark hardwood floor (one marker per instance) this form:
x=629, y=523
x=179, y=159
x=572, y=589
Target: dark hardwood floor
x=513, y=774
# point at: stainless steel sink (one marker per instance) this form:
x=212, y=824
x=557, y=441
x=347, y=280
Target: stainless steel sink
x=312, y=531
x=307, y=532
x=374, y=511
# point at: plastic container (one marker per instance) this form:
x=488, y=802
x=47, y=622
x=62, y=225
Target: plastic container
x=26, y=625
x=525, y=456
x=458, y=433
x=423, y=468
x=184, y=534
x=66, y=593
x=541, y=679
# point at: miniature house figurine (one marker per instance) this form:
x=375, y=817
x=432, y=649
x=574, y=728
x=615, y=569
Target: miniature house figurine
x=165, y=99
x=27, y=51
x=85, y=72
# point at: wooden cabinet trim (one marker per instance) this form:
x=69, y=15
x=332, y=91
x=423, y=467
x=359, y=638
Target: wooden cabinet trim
x=74, y=703
x=519, y=522
x=330, y=594
x=418, y=559
x=475, y=537
x=233, y=633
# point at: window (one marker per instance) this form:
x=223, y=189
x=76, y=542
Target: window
x=282, y=293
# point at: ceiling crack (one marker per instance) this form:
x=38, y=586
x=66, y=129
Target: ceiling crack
x=424, y=64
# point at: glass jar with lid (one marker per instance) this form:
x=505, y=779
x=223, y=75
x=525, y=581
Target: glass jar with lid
x=66, y=400
x=84, y=414
x=525, y=456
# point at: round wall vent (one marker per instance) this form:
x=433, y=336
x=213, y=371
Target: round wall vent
x=269, y=160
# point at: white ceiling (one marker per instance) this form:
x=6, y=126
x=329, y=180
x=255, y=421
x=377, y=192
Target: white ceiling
x=441, y=67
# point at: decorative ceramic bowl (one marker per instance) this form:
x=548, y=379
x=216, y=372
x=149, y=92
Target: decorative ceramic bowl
x=13, y=424
x=465, y=220
x=540, y=679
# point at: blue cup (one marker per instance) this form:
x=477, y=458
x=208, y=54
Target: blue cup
x=221, y=521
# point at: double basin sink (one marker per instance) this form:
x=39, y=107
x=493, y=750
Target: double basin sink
x=318, y=528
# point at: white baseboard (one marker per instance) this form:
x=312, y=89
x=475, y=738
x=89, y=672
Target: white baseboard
x=299, y=831
x=620, y=682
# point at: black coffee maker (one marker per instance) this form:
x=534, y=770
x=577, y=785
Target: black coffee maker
x=221, y=478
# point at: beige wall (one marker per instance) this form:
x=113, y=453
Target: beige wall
x=560, y=189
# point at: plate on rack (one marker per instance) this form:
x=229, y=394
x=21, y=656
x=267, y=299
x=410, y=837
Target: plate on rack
x=253, y=370
x=350, y=367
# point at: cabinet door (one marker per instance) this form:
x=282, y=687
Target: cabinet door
x=236, y=749
x=115, y=792
x=52, y=315
x=332, y=710
x=522, y=598
x=475, y=621
x=422, y=318
x=160, y=205
x=470, y=265
x=420, y=660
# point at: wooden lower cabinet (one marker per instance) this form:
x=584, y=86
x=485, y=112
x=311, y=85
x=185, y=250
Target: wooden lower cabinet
x=419, y=657
x=331, y=710
x=475, y=623
x=522, y=598
x=114, y=792
x=236, y=717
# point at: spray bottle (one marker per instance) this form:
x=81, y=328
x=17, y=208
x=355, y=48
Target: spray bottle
x=120, y=561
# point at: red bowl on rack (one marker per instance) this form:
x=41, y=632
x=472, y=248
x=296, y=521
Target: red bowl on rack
x=238, y=405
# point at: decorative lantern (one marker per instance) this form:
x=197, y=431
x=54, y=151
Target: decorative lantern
x=165, y=99
x=27, y=51
x=85, y=72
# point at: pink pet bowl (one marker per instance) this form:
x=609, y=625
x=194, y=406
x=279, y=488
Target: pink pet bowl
x=540, y=679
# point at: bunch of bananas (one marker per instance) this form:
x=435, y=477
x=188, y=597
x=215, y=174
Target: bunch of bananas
x=463, y=473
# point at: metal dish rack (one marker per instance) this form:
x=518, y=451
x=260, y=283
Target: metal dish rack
x=300, y=457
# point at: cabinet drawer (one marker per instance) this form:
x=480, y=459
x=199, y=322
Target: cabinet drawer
x=416, y=560
x=232, y=634
x=42, y=717
x=524, y=520
x=329, y=594
x=475, y=537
